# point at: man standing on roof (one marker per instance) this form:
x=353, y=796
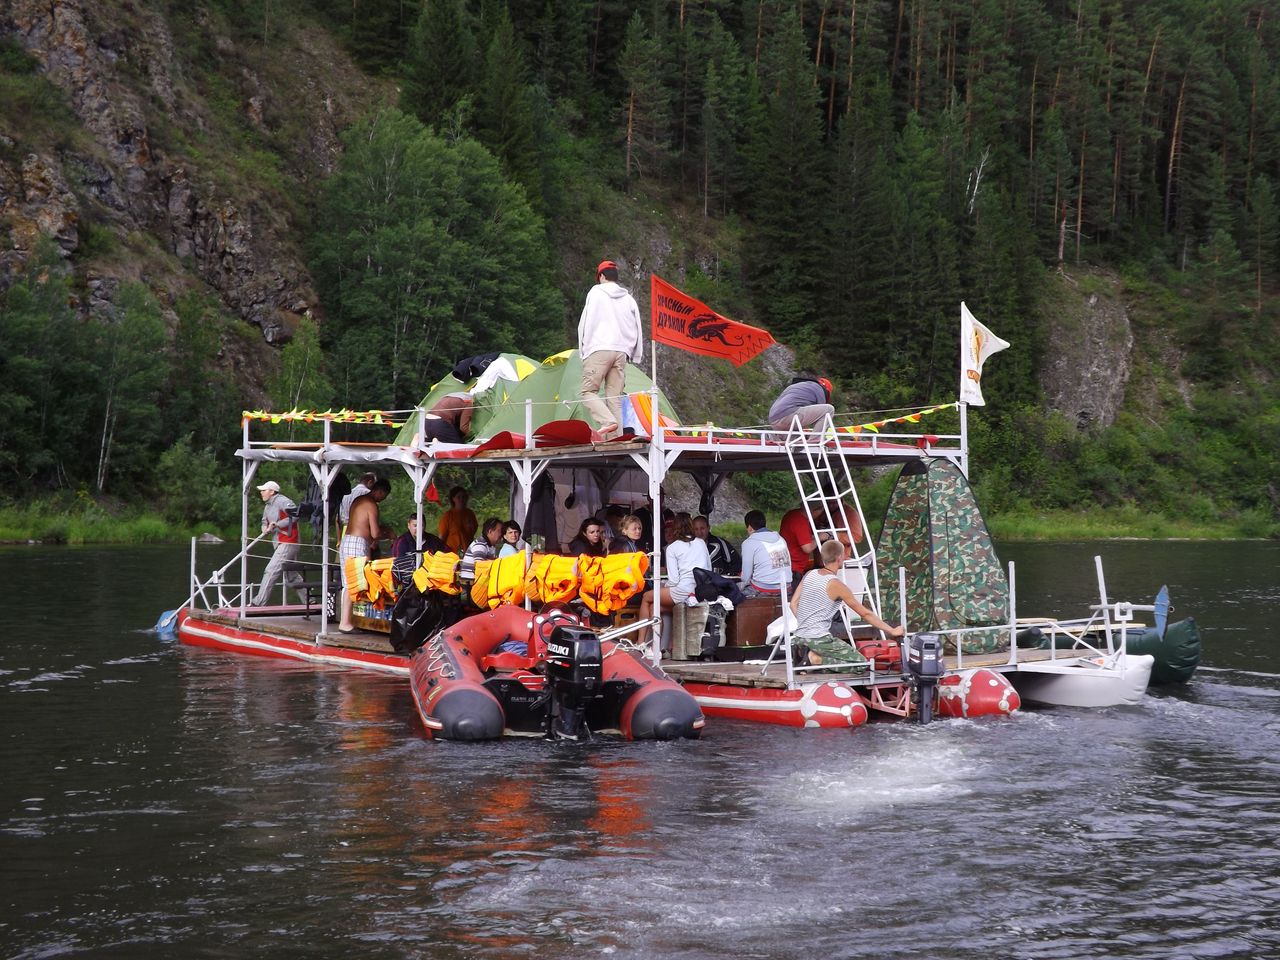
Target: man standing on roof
x=609, y=334
x=807, y=397
x=278, y=519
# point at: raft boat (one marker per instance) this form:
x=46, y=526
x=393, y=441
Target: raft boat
x=565, y=683
x=932, y=568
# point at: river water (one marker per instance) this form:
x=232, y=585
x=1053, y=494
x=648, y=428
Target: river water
x=164, y=801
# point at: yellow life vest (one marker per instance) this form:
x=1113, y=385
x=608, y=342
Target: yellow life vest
x=442, y=573
x=422, y=576
x=609, y=582
x=380, y=584
x=480, y=586
x=506, y=581
x=551, y=578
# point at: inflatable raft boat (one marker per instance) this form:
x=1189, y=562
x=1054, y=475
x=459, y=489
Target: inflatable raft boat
x=511, y=671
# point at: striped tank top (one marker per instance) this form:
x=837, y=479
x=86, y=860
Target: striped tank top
x=815, y=610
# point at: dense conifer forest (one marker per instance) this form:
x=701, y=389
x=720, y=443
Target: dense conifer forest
x=847, y=171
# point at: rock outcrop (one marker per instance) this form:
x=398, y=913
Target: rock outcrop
x=1089, y=350
x=118, y=67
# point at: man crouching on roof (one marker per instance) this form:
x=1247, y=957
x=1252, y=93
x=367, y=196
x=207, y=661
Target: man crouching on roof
x=609, y=333
x=363, y=530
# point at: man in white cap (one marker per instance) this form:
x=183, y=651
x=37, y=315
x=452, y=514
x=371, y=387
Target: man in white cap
x=609, y=334
x=279, y=518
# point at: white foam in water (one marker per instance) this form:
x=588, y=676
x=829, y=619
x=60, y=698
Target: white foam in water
x=905, y=769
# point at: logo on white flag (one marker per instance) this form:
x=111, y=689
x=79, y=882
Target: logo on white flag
x=976, y=344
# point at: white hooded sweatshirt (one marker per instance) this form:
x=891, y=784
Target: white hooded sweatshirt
x=611, y=321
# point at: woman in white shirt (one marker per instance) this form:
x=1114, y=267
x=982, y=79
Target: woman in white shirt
x=685, y=554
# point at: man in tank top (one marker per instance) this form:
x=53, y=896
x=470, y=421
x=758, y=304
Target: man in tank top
x=816, y=602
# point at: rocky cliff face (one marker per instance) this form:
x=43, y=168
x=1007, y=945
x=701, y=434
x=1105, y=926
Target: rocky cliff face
x=125, y=78
x=1089, y=349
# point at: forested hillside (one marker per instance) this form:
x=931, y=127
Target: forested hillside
x=315, y=202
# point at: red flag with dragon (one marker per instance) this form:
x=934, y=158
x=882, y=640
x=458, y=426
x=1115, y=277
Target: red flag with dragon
x=678, y=320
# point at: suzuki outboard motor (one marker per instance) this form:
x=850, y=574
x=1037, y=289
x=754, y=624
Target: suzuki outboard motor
x=575, y=670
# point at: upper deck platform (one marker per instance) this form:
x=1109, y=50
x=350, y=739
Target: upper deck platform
x=702, y=448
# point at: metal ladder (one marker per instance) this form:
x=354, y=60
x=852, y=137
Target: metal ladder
x=825, y=492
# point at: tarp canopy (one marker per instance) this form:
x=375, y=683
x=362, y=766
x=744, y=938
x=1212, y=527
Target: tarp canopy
x=552, y=385
x=934, y=529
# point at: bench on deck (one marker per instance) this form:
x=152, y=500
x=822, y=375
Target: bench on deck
x=311, y=585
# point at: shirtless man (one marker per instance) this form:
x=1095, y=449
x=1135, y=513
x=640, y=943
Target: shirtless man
x=363, y=530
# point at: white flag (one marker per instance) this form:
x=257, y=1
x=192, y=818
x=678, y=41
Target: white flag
x=976, y=344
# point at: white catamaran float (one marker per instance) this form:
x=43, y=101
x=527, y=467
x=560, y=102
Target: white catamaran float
x=967, y=652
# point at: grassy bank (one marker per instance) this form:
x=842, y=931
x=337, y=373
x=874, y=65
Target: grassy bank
x=81, y=519
x=1124, y=523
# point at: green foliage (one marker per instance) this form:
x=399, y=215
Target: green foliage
x=301, y=383
x=442, y=63
x=48, y=375
x=773, y=492
x=788, y=178
x=195, y=487
x=505, y=119
x=133, y=369
x=208, y=404
x=425, y=254
x=31, y=106
x=646, y=109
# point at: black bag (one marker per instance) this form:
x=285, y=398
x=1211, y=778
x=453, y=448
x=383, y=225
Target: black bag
x=709, y=585
x=404, y=566
x=471, y=367
x=415, y=617
x=311, y=509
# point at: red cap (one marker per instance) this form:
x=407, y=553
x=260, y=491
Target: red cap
x=605, y=265
x=826, y=385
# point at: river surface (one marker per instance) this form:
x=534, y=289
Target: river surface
x=164, y=801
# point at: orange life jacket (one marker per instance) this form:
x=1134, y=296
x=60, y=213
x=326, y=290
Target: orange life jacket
x=381, y=584
x=442, y=572
x=506, y=581
x=551, y=578
x=480, y=585
x=609, y=582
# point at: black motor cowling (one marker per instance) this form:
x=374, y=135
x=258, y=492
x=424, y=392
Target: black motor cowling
x=926, y=666
x=575, y=677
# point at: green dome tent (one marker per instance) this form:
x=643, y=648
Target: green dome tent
x=553, y=386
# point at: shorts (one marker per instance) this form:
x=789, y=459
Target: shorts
x=351, y=547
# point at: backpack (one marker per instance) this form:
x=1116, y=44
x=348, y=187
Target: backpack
x=311, y=509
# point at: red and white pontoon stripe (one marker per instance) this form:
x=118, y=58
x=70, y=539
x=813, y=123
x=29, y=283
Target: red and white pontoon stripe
x=826, y=704
x=218, y=636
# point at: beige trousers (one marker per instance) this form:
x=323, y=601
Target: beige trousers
x=607, y=367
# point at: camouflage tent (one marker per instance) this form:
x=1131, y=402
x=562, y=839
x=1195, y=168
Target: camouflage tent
x=552, y=385
x=934, y=529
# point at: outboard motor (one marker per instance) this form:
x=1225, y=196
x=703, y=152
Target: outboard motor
x=575, y=677
x=925, y=667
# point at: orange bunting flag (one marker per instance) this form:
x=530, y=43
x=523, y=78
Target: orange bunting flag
x=678, y=320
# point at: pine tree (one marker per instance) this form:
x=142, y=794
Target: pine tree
x=647, y=108
x=787, y=248
x=727, y=92
x=1263, y=234
x=504, y=116
x=925, y=282
x=442, y=63
x=858, y=296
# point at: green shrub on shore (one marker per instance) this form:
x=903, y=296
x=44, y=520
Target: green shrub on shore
x=78, y=519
